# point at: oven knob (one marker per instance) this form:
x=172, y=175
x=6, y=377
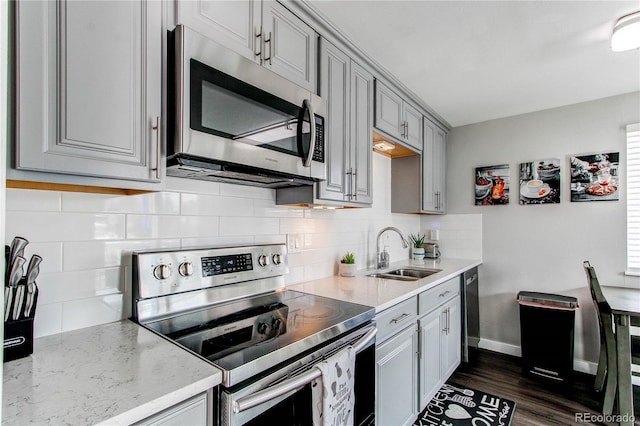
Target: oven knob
x=276, y=324
x=162, y=272
x=185, y=269
x=277, y=259
x=263, y=260
x=263, y=328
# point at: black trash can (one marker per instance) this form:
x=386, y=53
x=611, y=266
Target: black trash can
x=547, y=323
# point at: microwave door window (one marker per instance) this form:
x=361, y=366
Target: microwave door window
x=226, y=107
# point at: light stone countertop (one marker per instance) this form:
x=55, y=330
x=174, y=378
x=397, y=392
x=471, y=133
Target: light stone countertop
x=384, y=293
x=114, y=374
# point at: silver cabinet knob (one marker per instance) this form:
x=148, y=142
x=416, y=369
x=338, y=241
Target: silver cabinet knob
x=162, y=272
x=185, y=269
x=263, y=260
x=277, y=259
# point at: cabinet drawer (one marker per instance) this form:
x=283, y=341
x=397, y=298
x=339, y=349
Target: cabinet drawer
x=394, y=319
x=432, y=298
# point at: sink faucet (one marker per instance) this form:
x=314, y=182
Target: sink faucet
x=382, y=258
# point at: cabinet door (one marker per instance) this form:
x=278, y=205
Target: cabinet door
x=90, y=88
x=396, y=379
x=413, y=126
x=451, y=344
x=192, y=412
x=433, y=169
x=334, y=89
x=233, y=23
x=429, y=364
x=389, y=115
x=289, y=45
x=440, y=170
x=361, y=133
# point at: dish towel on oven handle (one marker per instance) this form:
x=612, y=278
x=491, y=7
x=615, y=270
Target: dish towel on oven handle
x=333, y=393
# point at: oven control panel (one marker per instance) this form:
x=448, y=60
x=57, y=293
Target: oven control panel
x=160, y=273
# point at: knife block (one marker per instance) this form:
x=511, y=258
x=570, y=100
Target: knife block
x=18, y=339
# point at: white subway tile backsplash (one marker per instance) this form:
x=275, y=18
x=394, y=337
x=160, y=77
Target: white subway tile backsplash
x=33, y=200
x=248, y=226
x=270, y=239
x=92, y=311
x=51, y=227
x=215, y=205
x=104, y=254
x=66, y=286
x=51, y=254
x=149, y=203
x=48, y=319
x=267, y=208
x=217, y=241
x=148, y=226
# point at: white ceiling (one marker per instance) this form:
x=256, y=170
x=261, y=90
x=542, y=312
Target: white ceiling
x=473, y=61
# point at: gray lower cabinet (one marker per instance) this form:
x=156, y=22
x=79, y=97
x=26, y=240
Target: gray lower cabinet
x=396, y=378
x=89, y=88
x=192, y=412
x=264, y=31
x=397, y=364
x=440, y=337
x=347, y=88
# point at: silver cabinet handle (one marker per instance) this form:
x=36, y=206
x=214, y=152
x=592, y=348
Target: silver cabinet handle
x=355, y=184
x=258, y=34
x=268, y=40
x=294, y=383
x=444, y=294
x=348, y=184
x=406, y=132
x=399, y=319
x=156, y=129
x=472, y=279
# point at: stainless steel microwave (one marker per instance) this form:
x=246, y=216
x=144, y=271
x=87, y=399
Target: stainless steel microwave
x=236, y=121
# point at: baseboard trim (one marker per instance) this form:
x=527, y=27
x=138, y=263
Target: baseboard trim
x=579, y=365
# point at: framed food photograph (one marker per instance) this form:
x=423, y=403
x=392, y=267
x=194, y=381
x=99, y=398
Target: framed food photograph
x=595, y=177
x=492, y=185
x=540, y=182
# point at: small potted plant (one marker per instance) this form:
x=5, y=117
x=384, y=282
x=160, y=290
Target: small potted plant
x=347, y=267
x=417, y=241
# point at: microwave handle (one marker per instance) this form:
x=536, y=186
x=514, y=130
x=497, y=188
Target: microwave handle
x=306, y=104
x=293, y=383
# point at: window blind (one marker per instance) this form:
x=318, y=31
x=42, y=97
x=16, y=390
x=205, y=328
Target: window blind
x=633, y=199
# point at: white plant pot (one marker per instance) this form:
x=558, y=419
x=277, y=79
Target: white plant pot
x=347, y=269
x=417, y=253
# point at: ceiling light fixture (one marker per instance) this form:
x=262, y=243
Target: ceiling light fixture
x=626, y=33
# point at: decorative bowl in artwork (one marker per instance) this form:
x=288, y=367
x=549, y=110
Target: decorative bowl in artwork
x=483, y=186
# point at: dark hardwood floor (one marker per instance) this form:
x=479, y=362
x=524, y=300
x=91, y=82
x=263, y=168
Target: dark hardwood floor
x=538, y=403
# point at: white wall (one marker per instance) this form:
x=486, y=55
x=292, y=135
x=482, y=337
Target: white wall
x=86, y=239
x=541, y=247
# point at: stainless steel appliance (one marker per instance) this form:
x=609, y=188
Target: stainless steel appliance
x=236, y=121
x=431, y=250
x=230, y=307
x=471, y=320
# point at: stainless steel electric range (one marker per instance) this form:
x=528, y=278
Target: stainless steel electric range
x=230, y=307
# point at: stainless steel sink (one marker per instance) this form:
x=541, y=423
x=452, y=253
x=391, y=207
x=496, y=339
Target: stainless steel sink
x=417, y=273
x=405, y=274
x=392, y=277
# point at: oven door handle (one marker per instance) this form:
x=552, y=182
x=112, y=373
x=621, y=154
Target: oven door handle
x=294, y=383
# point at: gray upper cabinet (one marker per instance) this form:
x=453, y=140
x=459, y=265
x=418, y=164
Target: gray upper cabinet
x=263, y=31
x=347, y=88
x=397, y=118
x=89, y=88
x=434, y=169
